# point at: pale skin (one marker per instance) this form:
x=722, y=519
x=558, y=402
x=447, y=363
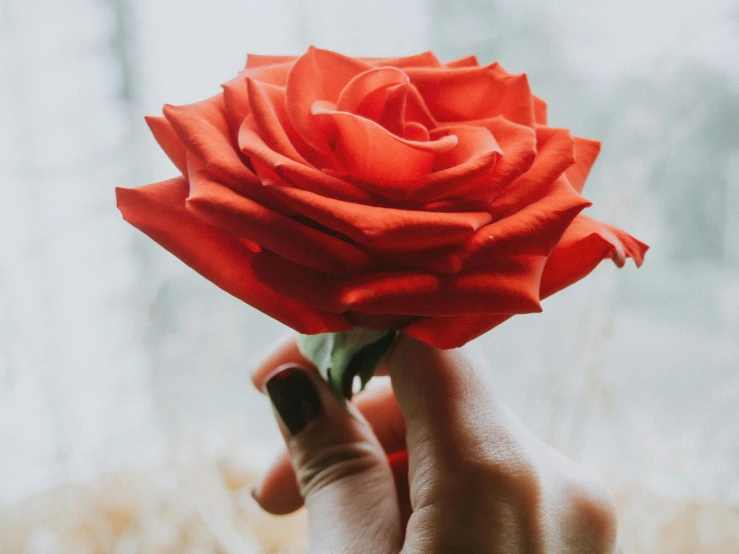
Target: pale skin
x=476, y=481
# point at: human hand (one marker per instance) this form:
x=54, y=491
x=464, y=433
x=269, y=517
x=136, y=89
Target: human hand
x=474, y=478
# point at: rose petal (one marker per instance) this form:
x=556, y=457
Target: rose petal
x=473, y=143
x=269, y=74
x=518, y=144
x=416, y=131
x=585, y=243
x=236, y=102
x=452, y=332
x=220, y=206
x=470, y=93
x=372, y=154
x=203, y=129
x=384, y=228
x=467, y=61
x=455, y=172
x=416, y=109
x=267, y=108
x=446, y=259
x=519, y=150
x=583, y=246
x=374, y=321
x=424, y=59
x=509, y=286
x=554, y=155
x=540, y=111
x=393, y=113
x=159, y=211
x=236, y=95
x=373, y=93
x=365, y=93
x=534, y=229
x=317, y=75
x=168, y=141
x=586, y=151
x=298, y=174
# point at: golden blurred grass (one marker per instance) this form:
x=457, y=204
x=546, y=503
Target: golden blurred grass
x=196, y=508
x=651, y=523
x=204, y=507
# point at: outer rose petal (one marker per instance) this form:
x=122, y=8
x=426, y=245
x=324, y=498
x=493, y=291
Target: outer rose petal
x=220, y=206
x=168, y=141
x=519, y=149
x=204, y=130
x=534, y=230
x=569, y=258
x=267, y=105
x=424, y=59
x=583, y=246
x=236, y=96
x=540, y=111
x=469, y=93
x=236, y=102
x=384, y=228
x=554, y=155
x=159, y=211
x=540, y=107
x=374, y=321
x=467, y=61
x=586, y=150
x=510, y=286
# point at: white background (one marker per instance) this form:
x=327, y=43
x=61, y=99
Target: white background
x=114, y=355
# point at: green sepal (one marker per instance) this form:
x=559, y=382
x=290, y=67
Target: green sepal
x=340, y=357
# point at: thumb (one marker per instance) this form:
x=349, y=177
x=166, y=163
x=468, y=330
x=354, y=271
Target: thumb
x=341, y=468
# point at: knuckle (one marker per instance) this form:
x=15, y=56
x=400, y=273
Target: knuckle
x=505, y=467
x=496, y=481
x=333, y=464
x=594, y=510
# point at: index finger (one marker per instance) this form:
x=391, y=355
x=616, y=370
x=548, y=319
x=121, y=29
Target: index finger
x=285, y=351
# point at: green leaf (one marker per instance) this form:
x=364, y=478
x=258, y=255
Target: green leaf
x=340, y=357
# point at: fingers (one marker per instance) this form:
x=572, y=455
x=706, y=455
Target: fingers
x=285, y=351
x=341, y=470
x=378, y=406
x=278, y=491
x=456, y=430
x=440, y=394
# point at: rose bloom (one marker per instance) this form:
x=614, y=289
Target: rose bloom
x=331, y=192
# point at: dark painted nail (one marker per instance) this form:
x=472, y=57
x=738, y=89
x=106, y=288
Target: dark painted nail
x=294, y=397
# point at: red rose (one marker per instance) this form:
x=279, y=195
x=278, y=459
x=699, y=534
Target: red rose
x=332, y=192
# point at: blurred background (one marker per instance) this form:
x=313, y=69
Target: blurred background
x=127, y=420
